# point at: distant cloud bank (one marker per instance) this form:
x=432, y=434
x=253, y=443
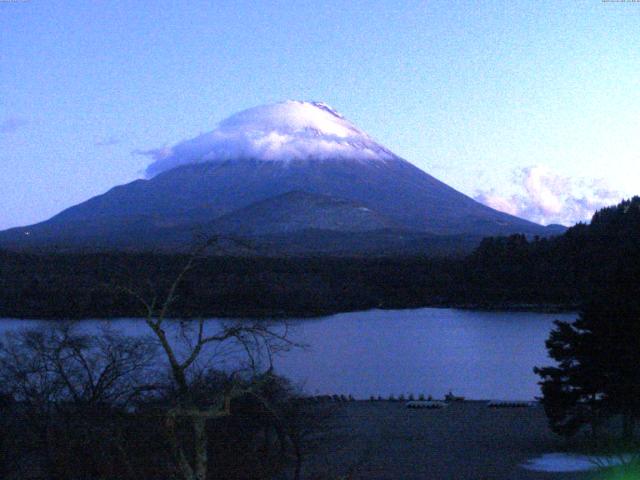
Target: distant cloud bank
x=546, y=197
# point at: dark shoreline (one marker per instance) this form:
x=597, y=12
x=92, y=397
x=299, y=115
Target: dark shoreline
x=98, y=285
x=465, y=440
x=252, y=314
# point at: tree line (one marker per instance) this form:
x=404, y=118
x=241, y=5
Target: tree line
x=502, y=272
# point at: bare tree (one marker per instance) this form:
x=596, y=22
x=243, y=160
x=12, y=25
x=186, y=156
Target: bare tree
x=67, y=388
x=190, y=346
x=111, y=405
x=58, y=364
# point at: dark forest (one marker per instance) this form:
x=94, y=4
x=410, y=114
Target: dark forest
x=503, y=272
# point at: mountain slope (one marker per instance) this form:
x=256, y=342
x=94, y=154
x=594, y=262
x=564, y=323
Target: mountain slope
x=261, y=155
x=297, y=211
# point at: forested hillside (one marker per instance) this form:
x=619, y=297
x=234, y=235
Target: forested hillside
x=503, y=272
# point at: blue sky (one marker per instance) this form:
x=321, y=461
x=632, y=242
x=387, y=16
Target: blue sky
x=531, y=107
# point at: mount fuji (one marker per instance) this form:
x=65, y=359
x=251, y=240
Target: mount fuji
x=293, y=177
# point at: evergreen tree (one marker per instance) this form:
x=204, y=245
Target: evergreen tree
x=598, y=355
x=574, y=390
x=598, y=369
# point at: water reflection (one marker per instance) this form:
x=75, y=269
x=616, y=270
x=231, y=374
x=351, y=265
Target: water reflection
x=383, y=352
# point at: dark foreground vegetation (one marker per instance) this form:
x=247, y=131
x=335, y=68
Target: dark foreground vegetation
x=78, y=406
x=596, y=379
x=181, y=400
x=503, y=272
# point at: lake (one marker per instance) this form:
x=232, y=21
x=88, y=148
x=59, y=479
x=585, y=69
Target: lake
x=430, y=351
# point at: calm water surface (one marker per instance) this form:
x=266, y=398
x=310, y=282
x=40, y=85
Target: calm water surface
x=481, y=355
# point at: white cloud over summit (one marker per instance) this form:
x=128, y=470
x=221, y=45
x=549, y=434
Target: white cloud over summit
x=278, y=132
x=543, y=196
x=293, y=130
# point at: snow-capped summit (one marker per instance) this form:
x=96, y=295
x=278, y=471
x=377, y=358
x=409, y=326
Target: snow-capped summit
x=292, y=177
x=285, y=131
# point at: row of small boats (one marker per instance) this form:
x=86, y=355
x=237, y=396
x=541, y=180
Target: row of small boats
x=433, y=404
